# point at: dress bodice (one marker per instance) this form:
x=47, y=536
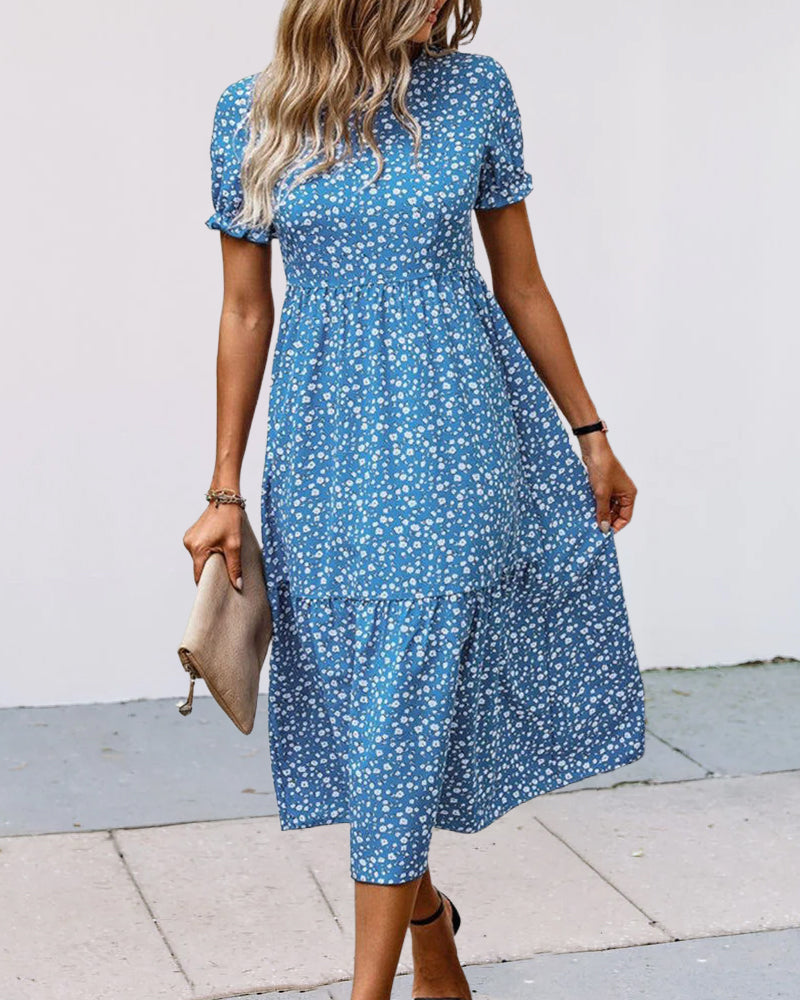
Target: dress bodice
x=393, y=465
x=415, y=219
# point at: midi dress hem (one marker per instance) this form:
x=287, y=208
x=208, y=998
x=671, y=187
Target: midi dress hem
x=564, y=777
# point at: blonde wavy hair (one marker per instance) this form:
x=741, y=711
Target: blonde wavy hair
x=334, y=63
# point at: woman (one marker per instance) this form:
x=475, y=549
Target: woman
x=451, y=637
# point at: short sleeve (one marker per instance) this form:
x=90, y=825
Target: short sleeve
x=503, y=178
x=229, y=137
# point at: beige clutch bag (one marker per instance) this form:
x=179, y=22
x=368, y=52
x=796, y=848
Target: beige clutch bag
x=229, y=632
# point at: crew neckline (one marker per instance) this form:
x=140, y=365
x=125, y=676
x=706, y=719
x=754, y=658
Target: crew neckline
x=422, y=55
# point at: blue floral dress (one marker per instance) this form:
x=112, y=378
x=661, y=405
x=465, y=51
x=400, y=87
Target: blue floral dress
x=451, y=637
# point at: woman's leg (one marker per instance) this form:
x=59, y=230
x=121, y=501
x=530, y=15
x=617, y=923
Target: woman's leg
x=383, y=913
x=437, y=970
x=382, y=916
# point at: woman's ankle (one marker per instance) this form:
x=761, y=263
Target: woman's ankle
x=427, y=899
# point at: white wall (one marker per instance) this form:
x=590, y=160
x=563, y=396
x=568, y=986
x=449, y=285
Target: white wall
x=663, y=139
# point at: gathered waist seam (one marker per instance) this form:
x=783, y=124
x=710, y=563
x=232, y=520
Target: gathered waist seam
x=407, y=276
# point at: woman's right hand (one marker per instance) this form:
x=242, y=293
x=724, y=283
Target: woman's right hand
x=218, y=529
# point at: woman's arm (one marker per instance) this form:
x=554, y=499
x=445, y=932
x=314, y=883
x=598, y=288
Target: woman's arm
x=525, y=299
x=245, y=331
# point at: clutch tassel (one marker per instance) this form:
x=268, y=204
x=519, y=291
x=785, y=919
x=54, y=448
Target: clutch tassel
x=186, y=707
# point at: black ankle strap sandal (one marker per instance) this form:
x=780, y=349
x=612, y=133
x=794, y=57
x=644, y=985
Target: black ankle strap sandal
x=437, y=914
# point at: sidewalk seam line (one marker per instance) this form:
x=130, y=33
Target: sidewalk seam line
x=662, y=739
x=651, y=920
x=322, y=893
x=113, y=837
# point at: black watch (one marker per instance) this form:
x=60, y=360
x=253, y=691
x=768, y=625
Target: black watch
x=588, y=428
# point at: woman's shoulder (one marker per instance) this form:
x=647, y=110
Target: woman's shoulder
x=234, y=102
x=229, y=132
x=479, y=64
x=484, y=74
x=236, y=96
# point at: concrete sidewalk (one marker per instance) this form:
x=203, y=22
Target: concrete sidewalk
x=141, y=858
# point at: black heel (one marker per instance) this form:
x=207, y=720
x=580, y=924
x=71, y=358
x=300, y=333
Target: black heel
x=456, y=916
x=435, y=916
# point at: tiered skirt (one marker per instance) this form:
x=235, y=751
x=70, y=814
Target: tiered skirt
x=446, y=704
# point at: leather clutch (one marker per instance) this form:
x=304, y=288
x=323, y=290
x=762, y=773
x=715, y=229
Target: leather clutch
x=228, y=633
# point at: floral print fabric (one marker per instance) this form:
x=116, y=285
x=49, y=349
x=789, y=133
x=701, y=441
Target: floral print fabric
x=451, y=636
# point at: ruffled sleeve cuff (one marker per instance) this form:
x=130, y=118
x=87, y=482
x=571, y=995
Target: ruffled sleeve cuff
x=503, y=176
x=224, y=225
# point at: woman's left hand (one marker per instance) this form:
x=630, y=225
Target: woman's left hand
x=613, y=488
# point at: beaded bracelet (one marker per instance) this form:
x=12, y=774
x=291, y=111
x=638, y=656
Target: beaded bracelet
x=225, y=496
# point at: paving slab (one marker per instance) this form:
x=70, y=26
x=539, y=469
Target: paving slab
x=238, y=905
x=518, y=888
x=74, y=927
x=708, y=857
x=731, y=720
x=133, y=763
x=741, y=967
